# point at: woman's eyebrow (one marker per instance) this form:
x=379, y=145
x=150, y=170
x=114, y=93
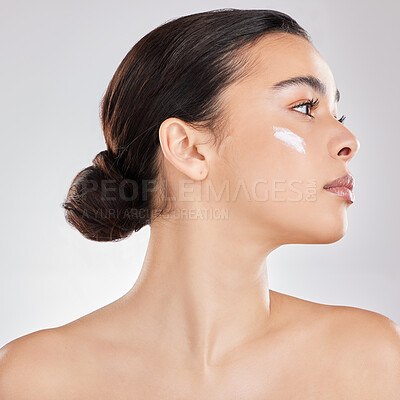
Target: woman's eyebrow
x=307, y=80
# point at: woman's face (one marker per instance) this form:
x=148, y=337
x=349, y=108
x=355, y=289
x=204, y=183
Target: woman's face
x=277, y=157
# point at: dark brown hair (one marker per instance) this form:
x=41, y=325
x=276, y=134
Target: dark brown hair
x=179, y=70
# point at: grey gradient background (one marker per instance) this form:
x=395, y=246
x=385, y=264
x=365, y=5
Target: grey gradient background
x=57, y=59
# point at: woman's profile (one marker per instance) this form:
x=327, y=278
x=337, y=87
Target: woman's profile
x=223, y=135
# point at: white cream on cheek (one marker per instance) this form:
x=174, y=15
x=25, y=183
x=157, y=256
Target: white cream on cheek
x=290, y=139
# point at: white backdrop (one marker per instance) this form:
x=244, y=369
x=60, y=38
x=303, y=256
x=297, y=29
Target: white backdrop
x=57, y=59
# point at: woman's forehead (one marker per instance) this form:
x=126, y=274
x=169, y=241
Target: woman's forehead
x=281, y=55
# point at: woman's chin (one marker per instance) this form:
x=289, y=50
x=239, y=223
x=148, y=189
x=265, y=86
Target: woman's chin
x=332, y=228
x=324, y=229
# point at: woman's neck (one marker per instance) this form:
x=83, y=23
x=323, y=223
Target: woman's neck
x=203, y=288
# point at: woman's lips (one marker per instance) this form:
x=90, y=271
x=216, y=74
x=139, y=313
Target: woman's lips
x=342, y=191
x=342, y=187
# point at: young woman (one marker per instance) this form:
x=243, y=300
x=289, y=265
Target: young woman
x=222, y=134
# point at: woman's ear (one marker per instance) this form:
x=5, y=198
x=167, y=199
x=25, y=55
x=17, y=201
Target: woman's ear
x=180, y=144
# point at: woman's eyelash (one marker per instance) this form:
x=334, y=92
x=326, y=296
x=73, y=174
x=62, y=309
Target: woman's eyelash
x=313, y=103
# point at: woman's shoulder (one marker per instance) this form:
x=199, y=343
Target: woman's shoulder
x=362, y=346
x=366, y=347
x=47, y=363
x=342, y=322
x=31, y=364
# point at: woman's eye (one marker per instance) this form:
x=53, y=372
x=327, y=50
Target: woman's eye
x=305, y=107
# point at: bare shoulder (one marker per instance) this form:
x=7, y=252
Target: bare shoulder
x=31, y=366
x=367, y=349
x=366, y=330
x=371, y=333
x=370, y=324
x=343, y=324
x=361, y=348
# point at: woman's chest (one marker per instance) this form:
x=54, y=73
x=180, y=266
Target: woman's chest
x=252, y=378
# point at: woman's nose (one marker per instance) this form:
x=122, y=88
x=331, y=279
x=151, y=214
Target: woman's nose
x=345, y=145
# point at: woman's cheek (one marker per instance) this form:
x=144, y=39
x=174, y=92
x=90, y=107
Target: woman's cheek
x=290, y=139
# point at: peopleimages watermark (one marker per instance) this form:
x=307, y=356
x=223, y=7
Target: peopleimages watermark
x=275, y=190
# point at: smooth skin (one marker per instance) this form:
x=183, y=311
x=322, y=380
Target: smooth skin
x=201, y=322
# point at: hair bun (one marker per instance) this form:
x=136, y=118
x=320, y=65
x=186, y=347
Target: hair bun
x=100, y=202
x=106, y=163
